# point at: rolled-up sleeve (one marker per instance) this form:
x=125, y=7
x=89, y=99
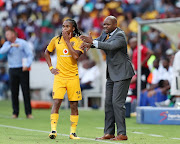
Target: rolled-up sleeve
x=5, y=48
x=29, y=54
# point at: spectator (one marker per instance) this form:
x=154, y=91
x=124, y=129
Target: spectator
x=145, y=55
x=89, y=73
x=149, y=98
x=175, y=85
x=165, y=71
x=155, y=73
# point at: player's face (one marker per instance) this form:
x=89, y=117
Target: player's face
x=68, y=27
x=165, y=64
x=108, y=25
x=9, y=35
x=133, y=44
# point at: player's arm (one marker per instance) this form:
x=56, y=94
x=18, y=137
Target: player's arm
x=75, y=53
x=48, y=60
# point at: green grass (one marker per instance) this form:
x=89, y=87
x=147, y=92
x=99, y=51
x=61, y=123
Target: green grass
x=87, y=128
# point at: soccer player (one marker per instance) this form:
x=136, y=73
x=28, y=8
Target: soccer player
x=66, y=77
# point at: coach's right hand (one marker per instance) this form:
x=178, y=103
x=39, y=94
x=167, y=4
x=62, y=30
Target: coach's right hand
x=14, y=45
x=55, y=71
x=85, y=45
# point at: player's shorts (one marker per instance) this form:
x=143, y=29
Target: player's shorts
x=72, y=86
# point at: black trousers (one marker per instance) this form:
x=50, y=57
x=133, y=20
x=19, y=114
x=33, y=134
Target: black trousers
x=19, y=77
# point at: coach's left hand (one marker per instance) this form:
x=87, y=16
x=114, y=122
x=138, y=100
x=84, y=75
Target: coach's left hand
x=25, y=69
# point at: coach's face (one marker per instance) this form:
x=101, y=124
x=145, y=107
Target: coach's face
x=108, y=25
x=9, y=35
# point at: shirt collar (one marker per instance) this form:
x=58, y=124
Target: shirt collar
x=15, y=40
x=112, y=32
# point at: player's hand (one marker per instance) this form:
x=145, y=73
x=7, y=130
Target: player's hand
x=55, y=71
x=25, y=69
x=14, y=45
x=85, y=45
x=66, y=36
x=87, y=39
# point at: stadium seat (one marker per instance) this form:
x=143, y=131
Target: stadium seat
x=95, y=92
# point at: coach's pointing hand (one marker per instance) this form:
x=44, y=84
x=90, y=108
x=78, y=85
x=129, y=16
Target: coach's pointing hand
x=87, y=39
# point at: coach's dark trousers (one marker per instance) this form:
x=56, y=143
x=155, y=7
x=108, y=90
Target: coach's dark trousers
x=19, y=77
x=115, y=111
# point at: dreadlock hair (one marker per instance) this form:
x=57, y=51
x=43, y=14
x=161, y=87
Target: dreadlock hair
x=76, y=32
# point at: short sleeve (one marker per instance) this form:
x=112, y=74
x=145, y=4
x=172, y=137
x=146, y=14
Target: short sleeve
x=51, y=45
x=77, y=46
x=144, y=50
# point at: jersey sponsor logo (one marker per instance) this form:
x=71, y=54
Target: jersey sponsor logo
x=65, y=51
x=65, y=55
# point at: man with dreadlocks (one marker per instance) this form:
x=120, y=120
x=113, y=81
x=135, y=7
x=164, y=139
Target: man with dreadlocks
x=66, y=77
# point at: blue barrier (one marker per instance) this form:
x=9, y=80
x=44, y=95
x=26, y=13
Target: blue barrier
x=154, y=115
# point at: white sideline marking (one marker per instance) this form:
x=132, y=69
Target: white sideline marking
x=138, y=132
x=137, y=128
x=99, y=128
x=19, y=128
x=9, y=117
x=154, y=135
x=176, y=138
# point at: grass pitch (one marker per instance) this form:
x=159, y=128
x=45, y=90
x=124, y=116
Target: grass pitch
x=90, y=126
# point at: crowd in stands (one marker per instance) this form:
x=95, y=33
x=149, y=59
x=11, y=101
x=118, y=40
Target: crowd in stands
x=38, y=21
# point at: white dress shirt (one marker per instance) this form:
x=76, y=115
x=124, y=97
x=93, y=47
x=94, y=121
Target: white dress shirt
x=95, y=42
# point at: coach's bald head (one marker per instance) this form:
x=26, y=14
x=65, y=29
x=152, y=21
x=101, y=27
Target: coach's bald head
x=112, y=18
x=110, y=24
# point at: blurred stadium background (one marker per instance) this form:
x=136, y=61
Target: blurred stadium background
x=37, y=21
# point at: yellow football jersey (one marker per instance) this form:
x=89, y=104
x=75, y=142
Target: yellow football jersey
x=66, y=64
